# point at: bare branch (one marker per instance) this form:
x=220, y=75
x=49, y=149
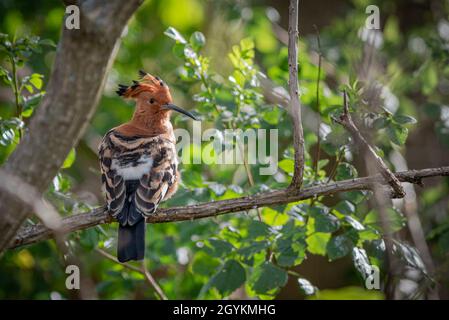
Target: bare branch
x=36, y=233
x=25, y=193
x=346, y=121
x=152, y=282
x=143, y=270
x=295, y=107
x=318, y=107
x=411, y=212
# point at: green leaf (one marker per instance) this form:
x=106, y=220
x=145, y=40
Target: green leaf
x=29, y=88
x=61, y=183
x=36, y=80
x=254, y=247
x=429, y=79
x=217, y=188
x=345, y=171
x=30, y=103
x=306, y=287
x=69, y=160
x=246, y=44
x=287, y=165
x=338, y=136
x=354, y=223
x=267, y=277
x=258, y=229
x=178, y=50
x=409, y=255
x=396, y=220
x=197, y=40
x=229, y=277
x=361, y=262
x=380, y=123
x=285, y=256
x=345, y=207
x=5, y=76
x=273, y=217
x=7, y=136
x=289, y=252
x=322, y=163
x=368, y=234
x=8, y=130
x=194, y=180
x=271, y=116
x=354, y=196
x=376, y=249
x=204, y=264
x=317, y=242
x=323, y=221
x=47, y=42
x=397, y=134
x=404, y=119
x=175, y=35
x=339, y=246
x=219, y=248
x=89, y=239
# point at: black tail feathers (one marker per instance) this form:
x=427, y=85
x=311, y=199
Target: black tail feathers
x=131, y=242
x=131, y=234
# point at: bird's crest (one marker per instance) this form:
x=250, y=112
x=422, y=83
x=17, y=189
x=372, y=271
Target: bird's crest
x=147, y=82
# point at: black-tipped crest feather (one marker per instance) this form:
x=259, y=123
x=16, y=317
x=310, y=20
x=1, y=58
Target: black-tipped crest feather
x=121, y=89
x=142, y=73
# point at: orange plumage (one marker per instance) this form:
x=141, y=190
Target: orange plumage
x=138, y=162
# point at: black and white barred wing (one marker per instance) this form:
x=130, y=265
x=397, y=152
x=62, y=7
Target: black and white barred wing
x=113, y=183
x=155, y=184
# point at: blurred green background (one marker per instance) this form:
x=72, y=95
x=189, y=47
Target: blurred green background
x=411, y=65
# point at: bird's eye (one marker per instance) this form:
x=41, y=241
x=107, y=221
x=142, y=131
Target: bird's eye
x=151, y=100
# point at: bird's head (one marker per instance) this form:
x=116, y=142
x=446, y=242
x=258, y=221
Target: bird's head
x=151, y=94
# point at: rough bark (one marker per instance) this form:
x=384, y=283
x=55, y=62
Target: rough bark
x=97, y=216
x=295, y=107
x=75, y=85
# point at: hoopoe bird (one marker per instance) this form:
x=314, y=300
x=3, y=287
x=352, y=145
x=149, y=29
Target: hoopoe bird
x=138, y=161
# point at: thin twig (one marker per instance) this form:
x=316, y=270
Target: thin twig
x=410, y=209
x=143, y=270
x=295, y=107
x=15, y=87
x=247, y=169
x=318, y=107
x=335, y=167
x=381, y=203
x=346, y=121
x=153, y=282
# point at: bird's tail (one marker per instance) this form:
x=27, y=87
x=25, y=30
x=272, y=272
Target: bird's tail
x=131, y=240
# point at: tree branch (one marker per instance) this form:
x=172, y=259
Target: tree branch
x=143, y=270
x=82, y=60
x=346, y=121
x=36, y=233
x=295, y=107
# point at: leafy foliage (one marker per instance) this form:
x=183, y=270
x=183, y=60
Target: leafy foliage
x=27, y=91
x=224, y=84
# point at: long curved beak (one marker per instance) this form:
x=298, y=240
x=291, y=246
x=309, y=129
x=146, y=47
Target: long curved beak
x=173, y=107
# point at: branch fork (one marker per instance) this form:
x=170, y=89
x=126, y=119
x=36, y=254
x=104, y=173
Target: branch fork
x=346, y=121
